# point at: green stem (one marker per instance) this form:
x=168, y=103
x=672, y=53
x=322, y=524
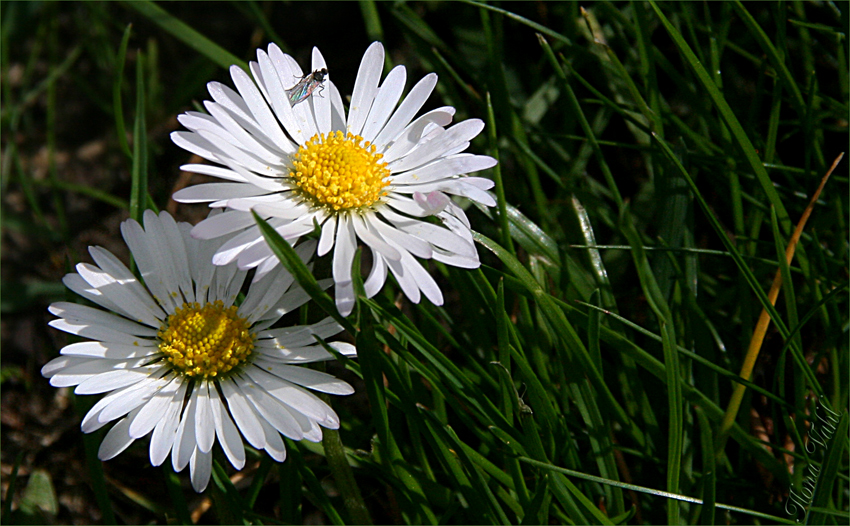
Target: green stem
x=341, y=469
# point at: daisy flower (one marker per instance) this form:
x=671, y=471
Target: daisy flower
x=180, y=360
x=374, y=174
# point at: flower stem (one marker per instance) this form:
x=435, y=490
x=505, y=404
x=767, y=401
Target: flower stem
x=347, y=486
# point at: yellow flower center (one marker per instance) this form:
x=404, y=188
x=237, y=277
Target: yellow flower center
x=208, y=341
x=340, y=171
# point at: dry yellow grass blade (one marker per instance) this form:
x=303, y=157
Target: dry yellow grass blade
x=764, y=320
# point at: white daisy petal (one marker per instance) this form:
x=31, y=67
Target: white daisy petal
x=405, y=205
x=303, y=335
x=365, y=87
x=145, y=251
x=346, y=244
x=194, y=143
x=213, y=171
x=372, y=239
x=411, y=104
x=444, y=168
x=411, y=137
x=81, y=315
x=98, y=332
x=165, y=430
x=434, y=201
x=77, y=284
x=225, y=430
x=204, y=193
x=204, y=424
x=309, y=378
x=252, y=256
x=288, y=303
x=405, y=279
x=299, y=355
x=294, y=397
x=274, y=444
x=377, y=276
x=254, y=100
x=154, y=410
x=321, y=102
x=132, y=398
x=92, y=421
x=458, y=134
x=270, y=153
x=272, y=67
x=123, y=291
x=326, y=241
x=337, y=109
x=271, y=410
x=116, y=440
x=243, y=414
x=236, y=158
x=160, y=242
x=222, y=224
x=113, y=351
x=200, y=467
x=231, y=100
x=282, y=210
x=110, y=380
x=184, y=441
x=437, y=236
x=145, y=368
x=385, y=102
x=413, y=244
x=304, y=120
x=265, y=294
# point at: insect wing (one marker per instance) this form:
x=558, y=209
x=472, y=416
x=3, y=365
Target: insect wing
x=305, y=87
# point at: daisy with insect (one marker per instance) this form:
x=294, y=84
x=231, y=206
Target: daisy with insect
x=374, y=173
x=180, y=360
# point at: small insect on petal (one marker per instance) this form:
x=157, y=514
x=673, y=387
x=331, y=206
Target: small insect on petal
x=306, y=86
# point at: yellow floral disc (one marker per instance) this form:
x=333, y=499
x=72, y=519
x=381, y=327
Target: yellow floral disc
x=208, y=341
x=340, y=171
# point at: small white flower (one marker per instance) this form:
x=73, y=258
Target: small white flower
x=180, y=360
x=372, y=175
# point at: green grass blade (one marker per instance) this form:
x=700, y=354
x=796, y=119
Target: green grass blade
x=501, y=203
x=675, y=403
x=117, y=106
x=577, y=111
x=139, y=171
x=228, y=502
x=774, y=57
x=292, y=262
x=565, y=330
x=369, y=10
x=522, y=20
x=740, y=136
x=175, y=491
x=315, y=489
x=257, y=484
x=654, y=492
x=10, y=490
x=745, y=270
x=709, y=477
x=338, y=462
x=832, y=463
x=186, y=34
x=289, y=475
